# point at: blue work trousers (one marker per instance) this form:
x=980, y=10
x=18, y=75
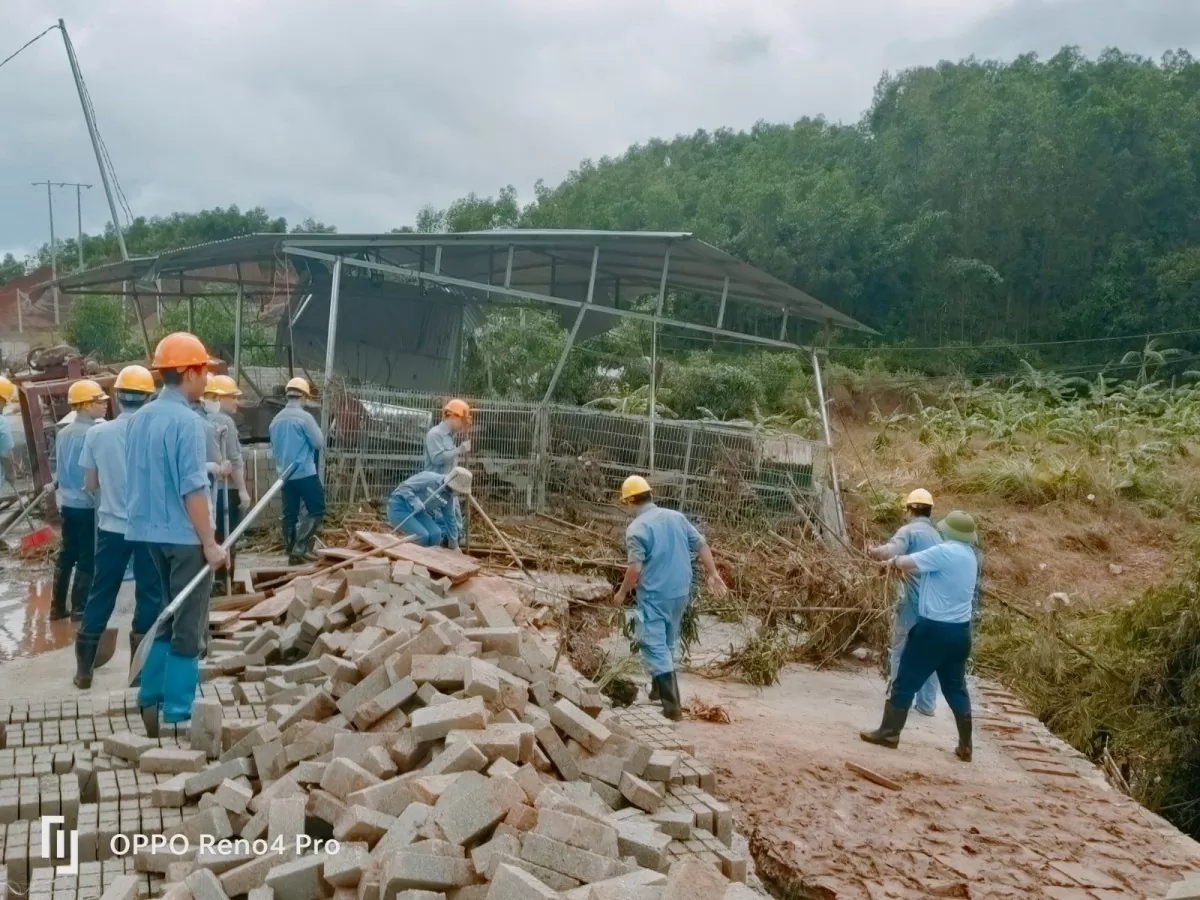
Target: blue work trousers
x=76, y=555
x=302, y=490
x=171, y=675
x=902, y=623
x=113, y=555
x=421, y=526
x=659, y=623
x=941, y=647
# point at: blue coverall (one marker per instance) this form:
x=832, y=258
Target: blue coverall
x=439, y=519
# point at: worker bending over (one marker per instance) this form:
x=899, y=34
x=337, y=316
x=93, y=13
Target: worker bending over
x=296, y=438
x=424, y=506
x=165, y=462
x=442, y=451
x=916, y=534
x=220, y=402
x=76, y=506
x=940, y=640
x=8, y=394
x=103, y=462
x=660, y=544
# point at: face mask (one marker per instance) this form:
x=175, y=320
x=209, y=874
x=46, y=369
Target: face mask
x=211, y=406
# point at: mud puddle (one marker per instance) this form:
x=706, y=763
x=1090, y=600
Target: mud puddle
x=25, y=626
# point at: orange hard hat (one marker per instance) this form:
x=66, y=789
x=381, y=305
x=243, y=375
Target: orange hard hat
x=223, y=386
x=135, y=378
x=85, y=391
x=457, y=409
x=180, y=350
x=8, y=390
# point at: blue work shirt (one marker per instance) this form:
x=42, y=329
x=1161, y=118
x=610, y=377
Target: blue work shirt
x=663, y=542
x=950, y=570
x=6, y=442
x=440, y=505
x=441, y=452
x=295, y=438
x=912, y=537
x=67, y=470
x=164, y=463
x=104, y=454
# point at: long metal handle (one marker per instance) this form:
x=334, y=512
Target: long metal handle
x=27, y=509
x=143, y=650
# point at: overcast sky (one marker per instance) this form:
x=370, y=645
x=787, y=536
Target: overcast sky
x=359, y=113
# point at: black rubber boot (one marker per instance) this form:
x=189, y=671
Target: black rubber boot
x=289, y=544
x=668, y=695
x=304, y=539
x=964, y=750
x=653, y=691
x=888, y=732
x=135, y=641
x=150, y=720
x=85, y=660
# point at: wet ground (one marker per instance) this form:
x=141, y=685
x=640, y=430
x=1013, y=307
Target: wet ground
x=25, y=626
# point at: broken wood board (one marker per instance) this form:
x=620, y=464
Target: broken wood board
x=237, y=603
x=872, y=776
x=270, y=609
x=276, y=572
x=222, y=616
x=456, y=566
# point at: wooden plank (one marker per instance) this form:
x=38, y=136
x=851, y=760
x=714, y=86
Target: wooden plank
x=375, y=540
x=875, y=777
x=458, y=567
x=237, y=602
x=271, y=609
x=337, y=554
x=222, y=616
x=275, y=572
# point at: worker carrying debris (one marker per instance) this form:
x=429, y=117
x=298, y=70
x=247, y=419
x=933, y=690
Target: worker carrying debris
x=76, y=506
x=103, y=462
x=916, y=534
x=296, y=438
x=424, y=506
x=940, y=640
x=660, y=543
x=165, y=462
x=220, y=403
x=8, y=393
x=442, y=453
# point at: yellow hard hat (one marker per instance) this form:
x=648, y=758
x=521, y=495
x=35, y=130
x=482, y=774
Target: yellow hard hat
x=223, y=386
x=457, y=409
x=180, y=350
x=8, y=390
x=919, y=497
x=299, y=384
x=210, y=383
x=135, y=378
x=634, y=486
x=85, y=391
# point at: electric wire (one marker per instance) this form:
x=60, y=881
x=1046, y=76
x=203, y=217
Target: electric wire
x=27, y=45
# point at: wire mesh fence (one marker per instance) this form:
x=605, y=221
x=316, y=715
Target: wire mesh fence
x=526, y=457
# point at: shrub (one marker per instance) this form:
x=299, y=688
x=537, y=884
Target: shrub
x=97, y=325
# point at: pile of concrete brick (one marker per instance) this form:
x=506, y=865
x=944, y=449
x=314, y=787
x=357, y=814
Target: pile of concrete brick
x=425, y=729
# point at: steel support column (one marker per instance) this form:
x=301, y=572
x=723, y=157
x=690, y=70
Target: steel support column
x=662, y=293
x=330, y=345
x=237, y=327
x=562, y=359
x=840, y=524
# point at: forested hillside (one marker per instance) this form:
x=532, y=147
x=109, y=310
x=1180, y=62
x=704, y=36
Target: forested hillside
x=974, y=201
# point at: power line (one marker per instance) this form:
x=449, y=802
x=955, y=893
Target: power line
x=26, y=45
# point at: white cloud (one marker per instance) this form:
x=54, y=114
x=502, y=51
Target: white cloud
x=360, y=113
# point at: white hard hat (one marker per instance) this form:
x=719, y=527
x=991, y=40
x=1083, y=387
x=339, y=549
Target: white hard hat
x=459, y=480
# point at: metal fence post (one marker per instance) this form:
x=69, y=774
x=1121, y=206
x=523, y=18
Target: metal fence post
x=331, y=343
x=687, y=467
x=840, y=524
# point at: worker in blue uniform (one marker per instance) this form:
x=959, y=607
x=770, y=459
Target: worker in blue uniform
x=8, y=394
x=442, y=449
x=103, y=462
x=661, y=544
x=296, y=438
x=424, y=507
x=916, y=534
x=77, y=556
x=168, y=509
x=220, y=403
x=940, y=641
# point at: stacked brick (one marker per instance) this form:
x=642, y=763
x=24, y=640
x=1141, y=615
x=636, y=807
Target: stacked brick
x=422, y=729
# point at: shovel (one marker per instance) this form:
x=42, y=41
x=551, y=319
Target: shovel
x=143, y=650
x=41, y=534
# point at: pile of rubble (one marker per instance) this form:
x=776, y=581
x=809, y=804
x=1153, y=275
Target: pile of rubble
x=391, y=736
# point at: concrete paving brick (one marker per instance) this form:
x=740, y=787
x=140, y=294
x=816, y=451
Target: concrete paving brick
x=299, y=879
x=511, y=883
x=435, y=722
x=407, y=870
x=446, y=673
x=640, y=793
x=204, y=733
x=345, y=868
x=343, y=777
x=603, y=767
x=574, y=862
x=663, y=765
x=361, y=823
x=234, y=795
x=324, y=806
x=372, y=684
x=575, y=723
x=1188, y=889
x=482, y=679
x=338, y=669
x=377, y=761
x=285, y=819
x=171, y=761
x=213, y=821
x=204, y=885
x=390, y=797
x=403, y=831
x=123, y=887
x=505, y=641
x=577, y=831
x=211, y=777
x=693, y=879
x=557, y=753
x=481, y=856
x=530, y=781
x=459, y=756
x=169, y=793
x=644, y=843
x=494, y=742
x=383, y=703
x=310, y=771
x=261, y=893
x=128, y=746
x=466, y=816
x=638, y=878
x=270, y=760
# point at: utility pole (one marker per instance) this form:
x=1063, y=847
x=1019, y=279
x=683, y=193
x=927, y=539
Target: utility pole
x=94, y=135
x=53, y=246
x=79, y=216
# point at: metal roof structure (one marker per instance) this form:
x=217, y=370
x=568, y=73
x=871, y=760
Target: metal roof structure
x=533, y=265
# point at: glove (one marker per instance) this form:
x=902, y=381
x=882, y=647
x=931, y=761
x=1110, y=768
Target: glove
x=464, y=447
x=418, y=506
